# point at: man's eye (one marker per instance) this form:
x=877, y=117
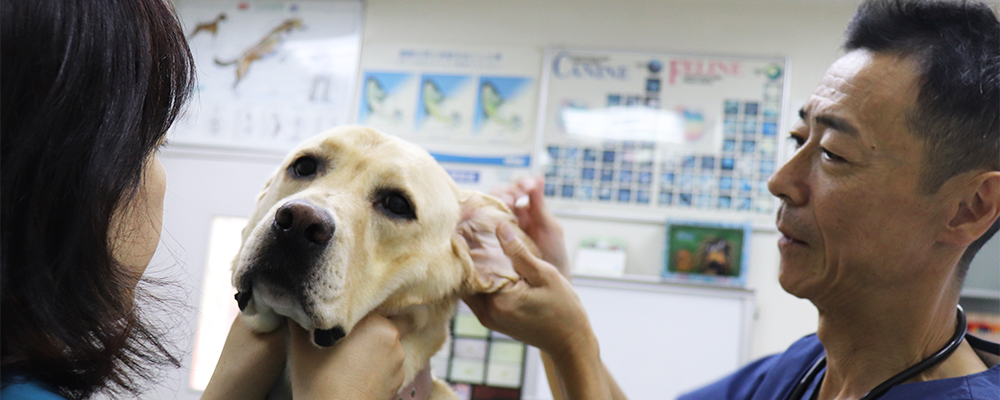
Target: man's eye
x=829, y=156
x=799, y=141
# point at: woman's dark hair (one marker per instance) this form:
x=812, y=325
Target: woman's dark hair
x=89, y=89
x=957, y=47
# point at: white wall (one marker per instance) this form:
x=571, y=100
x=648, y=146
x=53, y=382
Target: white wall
x=809, y=33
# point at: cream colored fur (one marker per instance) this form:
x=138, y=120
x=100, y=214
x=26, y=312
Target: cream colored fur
x=404, y=269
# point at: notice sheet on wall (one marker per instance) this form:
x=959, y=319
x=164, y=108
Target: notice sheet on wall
x=661, y=132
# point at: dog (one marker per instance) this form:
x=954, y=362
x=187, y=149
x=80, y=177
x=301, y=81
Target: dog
x=210, y=27
x=267, y=46
x=355, y=221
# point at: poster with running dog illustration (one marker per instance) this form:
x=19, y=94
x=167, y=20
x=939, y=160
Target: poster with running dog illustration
x=270, y=74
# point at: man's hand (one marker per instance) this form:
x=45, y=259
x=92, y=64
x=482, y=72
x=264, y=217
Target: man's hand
x=536, y=220
x=541, y=309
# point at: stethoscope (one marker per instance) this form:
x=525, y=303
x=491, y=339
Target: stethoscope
x=956, y=340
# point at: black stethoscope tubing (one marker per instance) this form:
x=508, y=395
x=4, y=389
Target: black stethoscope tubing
x=961, y=328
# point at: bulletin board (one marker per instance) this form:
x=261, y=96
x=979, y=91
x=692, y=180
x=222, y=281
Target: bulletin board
x=472, y=107
x=655, y=133
x=270, y=74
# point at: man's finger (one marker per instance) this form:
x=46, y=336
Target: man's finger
x=535, y=188
x=525, y=264
x=477, y=303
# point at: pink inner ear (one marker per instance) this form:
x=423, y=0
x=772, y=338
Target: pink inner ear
x=493, y=269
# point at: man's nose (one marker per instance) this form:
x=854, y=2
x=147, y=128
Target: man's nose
x=790, y=182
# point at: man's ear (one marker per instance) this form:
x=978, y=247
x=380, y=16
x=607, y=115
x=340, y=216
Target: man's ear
x=485, y=267
x=976, y=211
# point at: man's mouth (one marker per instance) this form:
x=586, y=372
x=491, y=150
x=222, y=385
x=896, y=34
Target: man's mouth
x=789, y=240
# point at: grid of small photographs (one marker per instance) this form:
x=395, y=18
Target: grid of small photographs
x=627, y=173
x=478, y=363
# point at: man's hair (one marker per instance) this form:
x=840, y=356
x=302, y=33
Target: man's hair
x=89, y=90
x=957, y=48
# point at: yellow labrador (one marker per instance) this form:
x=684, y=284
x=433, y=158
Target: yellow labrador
x=356, y=221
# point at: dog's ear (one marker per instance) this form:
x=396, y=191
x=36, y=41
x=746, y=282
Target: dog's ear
x=485, y=267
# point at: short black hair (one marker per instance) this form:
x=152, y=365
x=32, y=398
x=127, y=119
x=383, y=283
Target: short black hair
x=957, y=47
x=89, y=89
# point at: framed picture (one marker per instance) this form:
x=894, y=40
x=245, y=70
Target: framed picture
x=713, y=253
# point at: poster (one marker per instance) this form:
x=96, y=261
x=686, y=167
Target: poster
x=710, y=253
x=473, y=108
x=660, y=131
x=270, y=74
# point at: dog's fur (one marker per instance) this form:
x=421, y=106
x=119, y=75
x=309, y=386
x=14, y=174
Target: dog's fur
x=375, y=261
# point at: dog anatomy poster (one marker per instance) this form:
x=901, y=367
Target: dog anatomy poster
x=270, y=74
x=661, y=132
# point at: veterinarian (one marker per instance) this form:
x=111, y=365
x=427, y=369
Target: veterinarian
x=89, y=89
x=893, y=188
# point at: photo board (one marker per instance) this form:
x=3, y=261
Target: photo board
x=712, y=253
x=658, y=133
x=270, y=74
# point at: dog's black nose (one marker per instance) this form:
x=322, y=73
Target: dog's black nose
x=327, y=337
x=300, y=220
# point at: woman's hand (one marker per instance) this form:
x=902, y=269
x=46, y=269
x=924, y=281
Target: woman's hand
x=536, y=220
x=249, y=365
x=541, y=309
x=366, y=364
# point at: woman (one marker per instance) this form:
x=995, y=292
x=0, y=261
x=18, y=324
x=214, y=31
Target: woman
x=89, y=89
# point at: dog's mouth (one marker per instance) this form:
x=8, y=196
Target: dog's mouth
x=263, y=303
x=328, y=337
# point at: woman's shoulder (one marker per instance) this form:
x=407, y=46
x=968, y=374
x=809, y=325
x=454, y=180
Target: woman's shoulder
x=21, y=388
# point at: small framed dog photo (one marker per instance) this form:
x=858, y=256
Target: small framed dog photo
x=714, y=253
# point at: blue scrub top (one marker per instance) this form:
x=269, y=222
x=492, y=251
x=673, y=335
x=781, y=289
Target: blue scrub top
x=774, y=377
x=20, y=388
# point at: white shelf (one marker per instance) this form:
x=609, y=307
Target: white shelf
x=658, y=284
x=984, y=294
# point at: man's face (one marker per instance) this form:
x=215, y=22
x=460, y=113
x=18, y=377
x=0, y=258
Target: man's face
x=853, y=218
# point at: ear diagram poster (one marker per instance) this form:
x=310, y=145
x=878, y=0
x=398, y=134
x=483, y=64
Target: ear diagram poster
x=473, y=108
x=661, y=132
x=453, y=95
x=270, y=74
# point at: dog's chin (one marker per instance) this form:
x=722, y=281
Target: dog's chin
x=267, y=310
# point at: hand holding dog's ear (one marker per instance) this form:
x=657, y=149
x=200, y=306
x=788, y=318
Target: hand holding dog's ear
x=535, y=219
x=365, y=364
x=541, y=309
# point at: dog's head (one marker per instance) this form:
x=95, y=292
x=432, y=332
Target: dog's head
x=356, y=221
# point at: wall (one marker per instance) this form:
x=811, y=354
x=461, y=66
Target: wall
x=808, y=33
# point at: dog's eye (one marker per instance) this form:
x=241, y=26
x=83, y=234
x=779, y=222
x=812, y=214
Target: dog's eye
x=304, y=167
x=396, y=205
